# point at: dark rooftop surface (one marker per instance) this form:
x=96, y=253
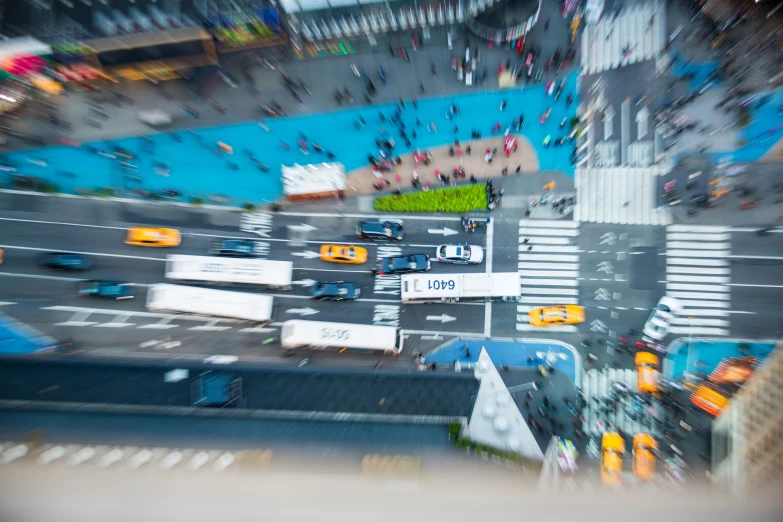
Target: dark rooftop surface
x=422, y=394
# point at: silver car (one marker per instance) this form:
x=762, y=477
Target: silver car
x=463, y=254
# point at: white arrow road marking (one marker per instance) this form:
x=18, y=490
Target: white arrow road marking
x=610, y=238
x=606, y=266
x=444, y=231
x=307, y=254
x=302, y=311
x=306, y=282
x=442, y=318
x=302, y=227
x=257, y=330
x=597, y=326
x=602, y=294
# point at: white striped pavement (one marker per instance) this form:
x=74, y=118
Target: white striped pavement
x=698, y=275
x=549, y=272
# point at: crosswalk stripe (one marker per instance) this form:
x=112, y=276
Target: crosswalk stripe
x=701, y=295
x=690, y=312
x=688, y=304
x=701, y=288
x=549, y=273
x=703, y=237
x=697, y=279
x=697, y=330
x=697, y=321
x=554, y=249
x=543, y=223
x=698, y=253
x=535, y=240
x=543, y=329
x=692, y=245
x=696, y=262
x=550, y=266
x=697, y=229
x=540, y=301
x=549, y=282
x=699, y=270
x=535, y=256
x=534, y=232
x=550, y=291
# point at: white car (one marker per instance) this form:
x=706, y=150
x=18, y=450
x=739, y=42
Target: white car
x=657, y=326
x=465, y=254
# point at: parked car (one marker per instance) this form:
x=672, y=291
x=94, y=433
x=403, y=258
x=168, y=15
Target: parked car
x=402, y=264
x=105, y=289
x=66, y=261
x=659, y=322
x=462, y=254
x=334, y=291
x=380, y=230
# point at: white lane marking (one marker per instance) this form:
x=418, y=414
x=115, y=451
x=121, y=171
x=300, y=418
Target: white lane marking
x=771, y=258
x=258, y=330
x=535, y=256
x=697, y=229
x=548, y=248
x=699, y=253
x=550, y=266
x=35, y=276
x=535, y=232
x=698, y=321
x=697, y=279
x=547, y=300
x=701, y=237
x=6, y=303
x=699, y=270
x=697, y=330
x=487, y=318
x=40, y=222
x=550, y=273
x=693, y=245
x=114, y=325
x=332, y=270
x=543, y=329
x=550, y=291
x=700, y=288
x=549, y=240
x=696, y=262
x=701, y=295
x=542, y=223
x=35, y=249
x=549, y=282
x=158, y=326
x=76, y=323
x=489, y=252
x=755, y=286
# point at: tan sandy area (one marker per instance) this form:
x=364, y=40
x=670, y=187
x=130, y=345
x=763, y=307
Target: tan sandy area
x=775, y=154
x=362, y=180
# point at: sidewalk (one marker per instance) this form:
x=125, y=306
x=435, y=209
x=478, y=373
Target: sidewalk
x=761, y=207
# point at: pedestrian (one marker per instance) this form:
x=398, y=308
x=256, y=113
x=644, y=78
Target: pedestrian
x=519, y=168
x=415, y=103
x=467, y=150
x=402, y=102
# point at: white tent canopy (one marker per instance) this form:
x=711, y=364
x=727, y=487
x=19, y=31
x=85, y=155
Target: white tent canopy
x=314, y=179
x=496, y=420
x=155, y=117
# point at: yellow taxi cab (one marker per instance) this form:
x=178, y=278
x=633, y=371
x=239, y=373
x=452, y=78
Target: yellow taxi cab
x=644, y=447
x=647, y=372
x=710, y=398
x=153, y=237
x=555, y=315
x=1, y=256
x=349, y=254
x=612, y=453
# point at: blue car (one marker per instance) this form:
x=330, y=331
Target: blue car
x=66, y=261
x=105, y=289
x=334, y=291
x=234, y=248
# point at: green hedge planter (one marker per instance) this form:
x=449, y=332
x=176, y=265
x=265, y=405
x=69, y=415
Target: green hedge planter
x=452, y=199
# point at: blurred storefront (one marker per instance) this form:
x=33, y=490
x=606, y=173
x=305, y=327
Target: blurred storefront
x=23, y=65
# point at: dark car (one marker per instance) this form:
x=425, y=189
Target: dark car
x=334, y=291
x=380, y=230
x=105, y=289
x=402, y=264
x=66, y=261
x=234, y=247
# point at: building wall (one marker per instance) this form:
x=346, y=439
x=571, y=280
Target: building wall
x=747, y=438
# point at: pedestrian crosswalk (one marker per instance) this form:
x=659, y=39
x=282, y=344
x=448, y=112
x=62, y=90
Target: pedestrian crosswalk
x=628, y=416
x=548, y=269
x=620, y=195
x=637, y=34
x=698, y=273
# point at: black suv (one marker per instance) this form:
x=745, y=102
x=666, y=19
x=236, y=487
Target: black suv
x=233, y=247
x=380, y=230
x=402, y=264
